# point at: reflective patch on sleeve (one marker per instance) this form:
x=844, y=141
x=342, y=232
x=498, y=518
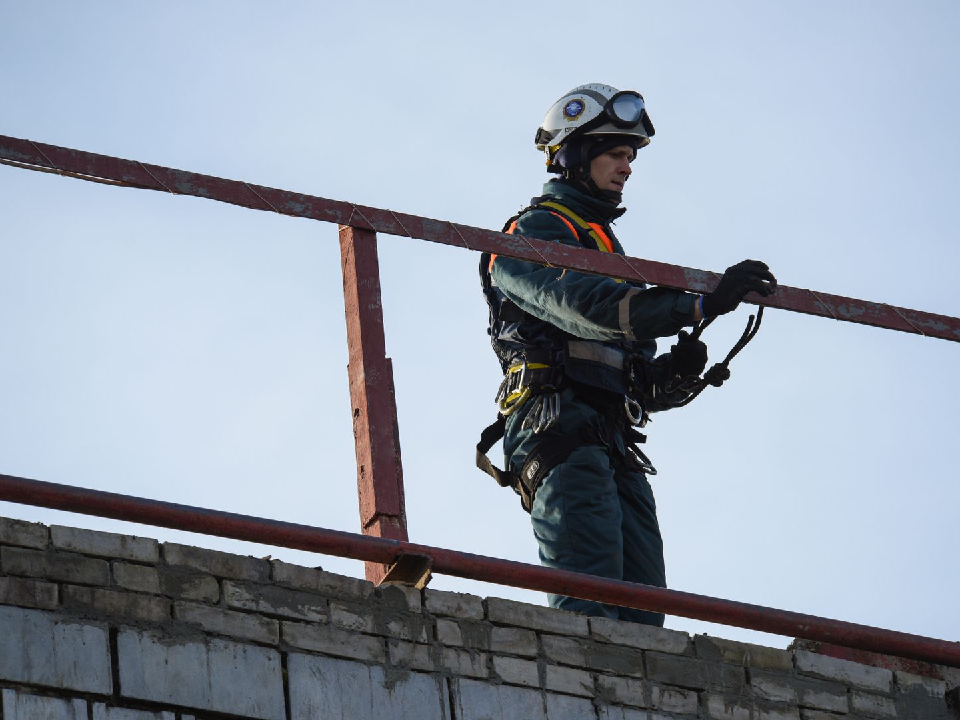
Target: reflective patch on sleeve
x=624, y=309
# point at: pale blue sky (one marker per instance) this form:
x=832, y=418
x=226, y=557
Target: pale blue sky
x=191, y=351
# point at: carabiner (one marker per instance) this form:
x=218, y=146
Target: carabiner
x=634, y=410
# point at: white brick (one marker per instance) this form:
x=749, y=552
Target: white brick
x=23, y=533
x=569, y=680
x=777, y=713
x=184, y=584
x=510, y=612
x=625, y=691
x=316, y=580
x=820, y=715
x=448, y=633
x=236, y=678
x=835, y=701
x=719, y=707
x=564, y=707
x=52, y=565
x=564, y=650
x=334, y=641
x=103, y=544
x=517, y=672
x=674, y=699
x=349, y=618
x=767, y=688
x=115, y=604
x=408, y=627
x=848, y=673
x=452, y=604
x=102, y=712
x=607, y=712
x=635, y=635
x=872, y=704
x=481, y=701
x=40, y=648
x=908, y=681
x=744, y=654
x=322, y=687
x=23, y=706
x=466, y=663
x=245, y=626
x=413, y=655
x=28, y=593
x=273, y=600
x=215, y=562
x=140, y=578
x=514, y=641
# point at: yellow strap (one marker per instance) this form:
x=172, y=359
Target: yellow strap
x=530, y=366
x=583, y=224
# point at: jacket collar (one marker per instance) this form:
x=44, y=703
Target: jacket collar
x=587, y=206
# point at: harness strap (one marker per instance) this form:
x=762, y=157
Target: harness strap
x=488, y=438
x=546, y=455
x=594, y=231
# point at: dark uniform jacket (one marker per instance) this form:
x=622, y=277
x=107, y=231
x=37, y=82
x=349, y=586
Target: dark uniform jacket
x=585, y=321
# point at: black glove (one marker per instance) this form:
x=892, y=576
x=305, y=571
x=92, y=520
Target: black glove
x=688, y=357
x=739, y=280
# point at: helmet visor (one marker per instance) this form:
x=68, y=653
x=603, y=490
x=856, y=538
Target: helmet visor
x=625, y=109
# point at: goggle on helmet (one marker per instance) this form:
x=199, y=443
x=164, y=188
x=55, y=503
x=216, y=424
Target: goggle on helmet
x=594, y=110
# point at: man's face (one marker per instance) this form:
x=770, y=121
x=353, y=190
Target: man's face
x=611, y=169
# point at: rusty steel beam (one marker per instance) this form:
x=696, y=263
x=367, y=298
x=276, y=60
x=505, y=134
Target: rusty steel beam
x=477, y=567
x=102, y=168
x=372, y=395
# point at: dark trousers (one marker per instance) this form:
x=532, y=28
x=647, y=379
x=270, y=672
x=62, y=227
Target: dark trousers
x=592, y=513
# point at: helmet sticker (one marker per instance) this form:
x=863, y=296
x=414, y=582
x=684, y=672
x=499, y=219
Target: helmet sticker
x=574, y=109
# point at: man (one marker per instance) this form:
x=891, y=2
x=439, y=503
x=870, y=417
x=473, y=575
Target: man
x=578, y=350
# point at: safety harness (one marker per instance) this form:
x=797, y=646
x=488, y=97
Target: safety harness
x=541, y=374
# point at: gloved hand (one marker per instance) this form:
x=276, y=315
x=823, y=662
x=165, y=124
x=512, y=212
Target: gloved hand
x=689, y=356
x=739, y=280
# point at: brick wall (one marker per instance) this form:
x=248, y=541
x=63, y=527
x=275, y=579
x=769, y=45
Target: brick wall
x=96, y=626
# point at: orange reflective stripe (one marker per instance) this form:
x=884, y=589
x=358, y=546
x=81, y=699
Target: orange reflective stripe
x=598, y=229
x=513, y=226
x=509, y=231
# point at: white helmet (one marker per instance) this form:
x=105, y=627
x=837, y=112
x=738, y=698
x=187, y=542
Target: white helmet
x=594, y=109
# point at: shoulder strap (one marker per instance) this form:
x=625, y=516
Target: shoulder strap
x=594, y=230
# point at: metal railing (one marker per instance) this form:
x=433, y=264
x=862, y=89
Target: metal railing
x=384, y=542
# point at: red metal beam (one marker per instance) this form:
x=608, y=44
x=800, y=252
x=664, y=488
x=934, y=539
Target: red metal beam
x=477, y=567
x=102, y=168
x=375, y=431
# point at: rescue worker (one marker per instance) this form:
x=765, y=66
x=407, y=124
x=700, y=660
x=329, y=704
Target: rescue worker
x=578, y=355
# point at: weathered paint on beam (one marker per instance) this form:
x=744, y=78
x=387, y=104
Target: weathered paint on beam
x=372, y=396
x=91, y=166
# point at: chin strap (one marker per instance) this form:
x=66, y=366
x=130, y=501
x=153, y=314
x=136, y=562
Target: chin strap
x=720, y=372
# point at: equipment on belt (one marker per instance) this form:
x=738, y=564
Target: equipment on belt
x=543, y=381
x=550, y=452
